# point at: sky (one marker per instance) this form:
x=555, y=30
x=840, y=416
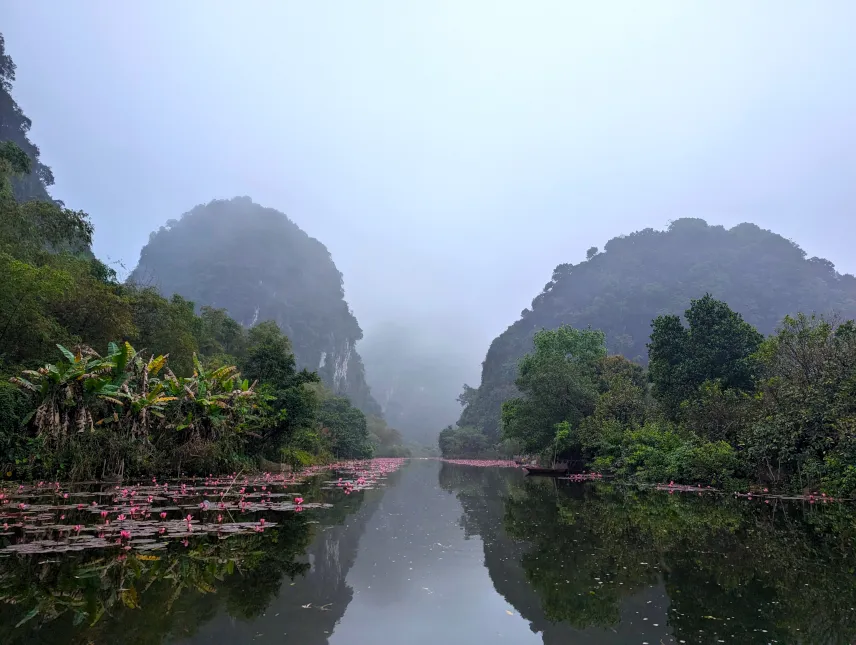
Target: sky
x=449, y=153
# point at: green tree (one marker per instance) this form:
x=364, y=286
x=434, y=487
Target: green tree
x=805, y=423
x=345, y=428
x=718, y=345
x=463, y=442
x=166, y=327
x=558, y=382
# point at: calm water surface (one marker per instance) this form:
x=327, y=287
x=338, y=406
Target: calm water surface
x=442, y=553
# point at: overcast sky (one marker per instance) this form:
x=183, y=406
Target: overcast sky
x=449, y=154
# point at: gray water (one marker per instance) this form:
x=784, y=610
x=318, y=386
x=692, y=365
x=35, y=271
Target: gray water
x=444, y=553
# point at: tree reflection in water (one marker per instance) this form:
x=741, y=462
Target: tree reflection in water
x=571, y=555
x=115, y=596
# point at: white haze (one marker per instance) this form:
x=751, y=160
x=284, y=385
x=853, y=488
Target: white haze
x=449, y=154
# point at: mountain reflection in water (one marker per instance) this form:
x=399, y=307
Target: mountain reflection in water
x=457, y=554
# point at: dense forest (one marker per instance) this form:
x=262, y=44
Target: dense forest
x=720, y=404
x=100, y=378
x=257, y=264
x=640, y=276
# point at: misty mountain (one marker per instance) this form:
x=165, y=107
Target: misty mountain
x=415, y=381
x=259, y=265
x=640, y=276
x=15, y=127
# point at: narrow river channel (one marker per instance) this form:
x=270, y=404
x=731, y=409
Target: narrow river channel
x=445, y=553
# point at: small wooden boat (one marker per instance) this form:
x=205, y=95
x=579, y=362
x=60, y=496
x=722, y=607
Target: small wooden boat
x=546, y=472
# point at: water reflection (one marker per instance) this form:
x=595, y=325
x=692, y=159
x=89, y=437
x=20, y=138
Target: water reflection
x=178, y=592
x=631, y=566
x=458, y=554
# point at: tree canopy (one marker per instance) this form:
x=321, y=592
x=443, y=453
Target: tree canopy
x=718, y=345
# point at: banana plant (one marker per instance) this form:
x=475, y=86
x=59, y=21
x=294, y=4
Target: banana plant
x=133, y=395
x=140, y=396
x=68, y=394
x=210, y=399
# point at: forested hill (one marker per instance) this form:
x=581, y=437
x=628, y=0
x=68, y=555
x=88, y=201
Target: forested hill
x=259, y=265
x=640, y=276
x=14, y=127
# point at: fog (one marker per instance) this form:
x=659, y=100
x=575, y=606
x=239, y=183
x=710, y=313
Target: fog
x=449, y=154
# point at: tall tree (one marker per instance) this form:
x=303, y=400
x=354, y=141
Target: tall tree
x=718, y=345
x=558, y=382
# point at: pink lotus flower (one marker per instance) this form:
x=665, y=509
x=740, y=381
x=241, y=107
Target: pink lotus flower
x=121, y=517
x=77, y=528
x=125, y=535
x=298, y=500
x=163, y=515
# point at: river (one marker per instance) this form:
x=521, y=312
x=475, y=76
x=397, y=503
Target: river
x=429, y=553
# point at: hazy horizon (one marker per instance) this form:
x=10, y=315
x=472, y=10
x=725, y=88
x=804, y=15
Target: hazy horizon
x=449, y=155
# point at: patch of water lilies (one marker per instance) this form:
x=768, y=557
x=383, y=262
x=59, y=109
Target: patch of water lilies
x=483, y=463
x=47, y=517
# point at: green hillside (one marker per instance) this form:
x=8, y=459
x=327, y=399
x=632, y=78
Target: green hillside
x=640, y=276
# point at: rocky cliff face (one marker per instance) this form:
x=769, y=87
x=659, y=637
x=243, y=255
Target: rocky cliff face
x=259, y=265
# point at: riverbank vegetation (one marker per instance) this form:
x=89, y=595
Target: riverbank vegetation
x=101, y=378
x=719, y=404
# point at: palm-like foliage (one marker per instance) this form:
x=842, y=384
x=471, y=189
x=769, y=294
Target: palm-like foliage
x=134, y=396
x=209, y=400
x=68, y=392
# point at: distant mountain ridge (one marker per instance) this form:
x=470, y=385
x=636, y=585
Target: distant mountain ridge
x=259, y=265
x=637, y=277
